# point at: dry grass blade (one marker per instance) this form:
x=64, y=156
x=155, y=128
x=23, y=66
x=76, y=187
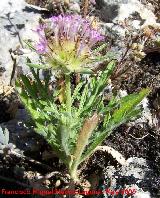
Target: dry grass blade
x=118, y=156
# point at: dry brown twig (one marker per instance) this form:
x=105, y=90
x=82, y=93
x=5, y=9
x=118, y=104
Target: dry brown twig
x=139, y=138
x=85, y=7
x=6, y=93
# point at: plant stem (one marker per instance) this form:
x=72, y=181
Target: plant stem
x=73, y=171
x=85, y=7
x=68, y=93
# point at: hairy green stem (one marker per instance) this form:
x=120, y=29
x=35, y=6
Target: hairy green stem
x=68, y=93
x=73, y=172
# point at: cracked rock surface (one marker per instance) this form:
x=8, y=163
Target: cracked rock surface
x=17, y=21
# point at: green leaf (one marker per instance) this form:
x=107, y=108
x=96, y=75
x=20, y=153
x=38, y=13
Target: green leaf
x=41, y=129
x=76, y=91
x=83, y=100
x=128, y=103
x=29, y=44
x=39, y=85
x=107, y=118
x=100, y=48
x=98, y=86
x=126, y=111
x=28, y=86
x=38, y=66
x=64, y=136
x=107, y=57
x=85, y=71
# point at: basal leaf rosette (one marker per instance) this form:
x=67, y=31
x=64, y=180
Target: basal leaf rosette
x=66, y=42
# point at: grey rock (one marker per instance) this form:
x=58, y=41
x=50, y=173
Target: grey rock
x=137, y=168
x=142, y=194
x=74, y=7
x=121, y=18
x=17, y=21
x=134, y=175
x=147, y=116
x=116, y=11
x=108, y=10
x=22, y=136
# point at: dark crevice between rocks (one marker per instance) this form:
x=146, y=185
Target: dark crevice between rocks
x=107, y=11
x=4, y=115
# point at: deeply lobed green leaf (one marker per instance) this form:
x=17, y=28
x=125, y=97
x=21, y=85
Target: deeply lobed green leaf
x=74, y=134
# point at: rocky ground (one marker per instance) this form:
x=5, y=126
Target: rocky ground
x=138, y=142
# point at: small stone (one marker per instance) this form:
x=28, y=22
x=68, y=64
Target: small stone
x=140, y=47
x=75, y=7
x=58, y=183
x=86, y=185
x=46, y=182
x=142, y=195
x=93, y=2
x=134, y=46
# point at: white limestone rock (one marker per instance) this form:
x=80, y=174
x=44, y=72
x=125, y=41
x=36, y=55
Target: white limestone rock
x=17, y=21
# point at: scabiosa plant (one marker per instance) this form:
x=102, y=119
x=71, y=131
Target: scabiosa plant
x=76, y=125
x=66, y=42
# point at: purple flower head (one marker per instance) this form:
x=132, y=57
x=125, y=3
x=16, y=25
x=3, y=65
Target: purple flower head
x=93, y=2
x=68, y=40
x=41, y=46
x=74, y=28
